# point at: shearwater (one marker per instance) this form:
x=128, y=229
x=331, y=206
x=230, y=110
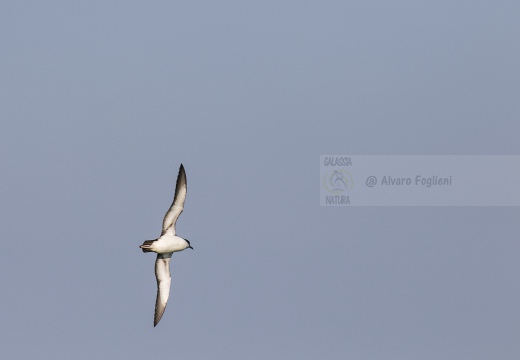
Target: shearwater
x=166, y=245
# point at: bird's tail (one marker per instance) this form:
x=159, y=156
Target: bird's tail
x=147, y=245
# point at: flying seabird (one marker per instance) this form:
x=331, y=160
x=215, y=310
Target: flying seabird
x=166, y=245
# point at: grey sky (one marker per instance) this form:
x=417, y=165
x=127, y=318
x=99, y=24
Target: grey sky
x=100, y=102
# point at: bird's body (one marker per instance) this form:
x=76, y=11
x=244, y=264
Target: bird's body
x=166, y=245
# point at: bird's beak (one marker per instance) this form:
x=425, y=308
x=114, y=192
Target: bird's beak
x=190, y=247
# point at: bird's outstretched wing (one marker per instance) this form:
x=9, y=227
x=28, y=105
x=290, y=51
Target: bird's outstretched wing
x=162, y=274
x=178, y=203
